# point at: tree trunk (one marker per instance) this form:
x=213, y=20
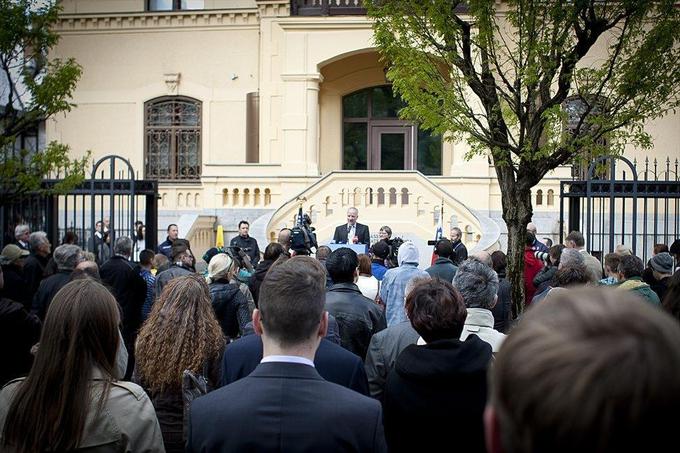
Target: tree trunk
x=517, y=212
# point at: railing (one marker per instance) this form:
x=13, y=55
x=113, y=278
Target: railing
x=327, y=8
x=407, y=201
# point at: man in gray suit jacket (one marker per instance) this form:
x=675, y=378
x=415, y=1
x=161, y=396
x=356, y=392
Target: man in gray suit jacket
x=284, y=405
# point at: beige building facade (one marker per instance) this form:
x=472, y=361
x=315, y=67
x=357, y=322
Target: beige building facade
x=242, y=107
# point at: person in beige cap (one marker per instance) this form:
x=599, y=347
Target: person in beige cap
x=662, y=268
x=16, y=287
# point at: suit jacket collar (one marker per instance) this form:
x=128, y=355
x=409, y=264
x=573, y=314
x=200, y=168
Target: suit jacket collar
x=285, y=370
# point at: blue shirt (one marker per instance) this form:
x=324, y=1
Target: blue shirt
x=378, y=270
x=393, y=288
x=150, y=285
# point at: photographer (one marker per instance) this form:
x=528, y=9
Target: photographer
x=246, y=243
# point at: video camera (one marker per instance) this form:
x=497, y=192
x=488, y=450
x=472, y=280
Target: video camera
x=239, y=256
x=302, y=236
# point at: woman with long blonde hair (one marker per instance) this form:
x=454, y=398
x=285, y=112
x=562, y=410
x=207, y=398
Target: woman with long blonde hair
x=180, y=334
x=71, y=398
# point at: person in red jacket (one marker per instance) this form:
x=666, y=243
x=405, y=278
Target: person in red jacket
x=532, y=266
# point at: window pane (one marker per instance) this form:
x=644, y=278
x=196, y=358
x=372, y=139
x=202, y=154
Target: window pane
x=384, y=104
x=392, y=151
x=355, y=105
x=160, y=5
x=187, y=114
x=192, y=4
x=429, y=153
x=355, y=139
x=158, y=154
x=161, y=114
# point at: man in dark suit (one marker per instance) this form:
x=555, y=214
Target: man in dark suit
x=333, y=362
x=284, y=405
x=352, y=232
x=129, y=289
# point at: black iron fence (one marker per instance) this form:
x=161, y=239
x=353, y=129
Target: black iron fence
x=621, y=202
x=111, y=196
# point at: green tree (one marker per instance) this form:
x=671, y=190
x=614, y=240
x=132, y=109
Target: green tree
x=33, y=88
x=500, y=76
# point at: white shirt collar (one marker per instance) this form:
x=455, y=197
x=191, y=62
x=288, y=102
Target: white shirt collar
x=287, y=359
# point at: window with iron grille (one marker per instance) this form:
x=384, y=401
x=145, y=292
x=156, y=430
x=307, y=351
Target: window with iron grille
x=174, y=5
x=173, y=139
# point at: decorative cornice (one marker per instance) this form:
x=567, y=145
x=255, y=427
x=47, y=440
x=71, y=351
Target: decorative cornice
x=273, y=8
x=158, y=20
x=326, y=23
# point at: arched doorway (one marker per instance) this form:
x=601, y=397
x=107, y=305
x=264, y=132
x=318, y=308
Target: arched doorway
x=375, y=138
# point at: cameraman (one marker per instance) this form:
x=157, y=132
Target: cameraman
x=246, y=243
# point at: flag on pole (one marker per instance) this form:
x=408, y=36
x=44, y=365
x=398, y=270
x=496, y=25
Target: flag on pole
x=438, y=232
x=219, y=240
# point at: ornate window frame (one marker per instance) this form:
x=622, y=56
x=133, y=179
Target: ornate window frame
x=176, y=122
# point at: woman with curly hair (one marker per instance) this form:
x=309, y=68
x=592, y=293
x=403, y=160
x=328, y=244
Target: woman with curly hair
x=181, y=333
x=71, y=399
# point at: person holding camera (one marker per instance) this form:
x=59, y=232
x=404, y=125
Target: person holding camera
x=247, y=243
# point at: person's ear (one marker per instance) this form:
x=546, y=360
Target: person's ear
x=257, y=322
x=323, y=325
x=492, y=432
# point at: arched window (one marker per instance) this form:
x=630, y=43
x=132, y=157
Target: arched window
x=393, y=196
x=267, y=197
x=551, y=197
x=173, y=139
x=256, y=197
x=369, y=196
x=404, y=195
x=246, y=197
x=234, y=194
x=381, y=196
x=539, y=197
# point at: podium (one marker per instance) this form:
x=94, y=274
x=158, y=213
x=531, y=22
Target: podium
x=358, y=248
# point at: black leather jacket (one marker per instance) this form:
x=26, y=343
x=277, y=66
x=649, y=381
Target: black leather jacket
x=358, y=317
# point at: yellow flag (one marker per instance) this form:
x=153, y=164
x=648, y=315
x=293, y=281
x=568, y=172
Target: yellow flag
x=219, y=241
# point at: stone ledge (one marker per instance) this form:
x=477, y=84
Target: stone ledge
x=157, y=20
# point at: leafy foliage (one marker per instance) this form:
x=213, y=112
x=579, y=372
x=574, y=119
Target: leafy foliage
x=532, y=84
x=32, y=89
x=497, y=74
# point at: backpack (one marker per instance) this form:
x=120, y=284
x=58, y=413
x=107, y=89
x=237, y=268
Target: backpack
x=299, y=239
x=193, y=386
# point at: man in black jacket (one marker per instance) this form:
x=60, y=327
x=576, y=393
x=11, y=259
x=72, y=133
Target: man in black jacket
x=358, y=317
x=66, y=257
x=129, y=289
x=246, y=242
x=352, y=231
x=460, y=252
x=443, y=268
x=34, y=266
x=165, y=247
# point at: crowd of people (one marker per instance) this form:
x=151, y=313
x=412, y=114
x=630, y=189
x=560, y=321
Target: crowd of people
x=281, y=351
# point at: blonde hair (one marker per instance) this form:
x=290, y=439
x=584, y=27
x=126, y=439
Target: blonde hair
x=220, y=266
